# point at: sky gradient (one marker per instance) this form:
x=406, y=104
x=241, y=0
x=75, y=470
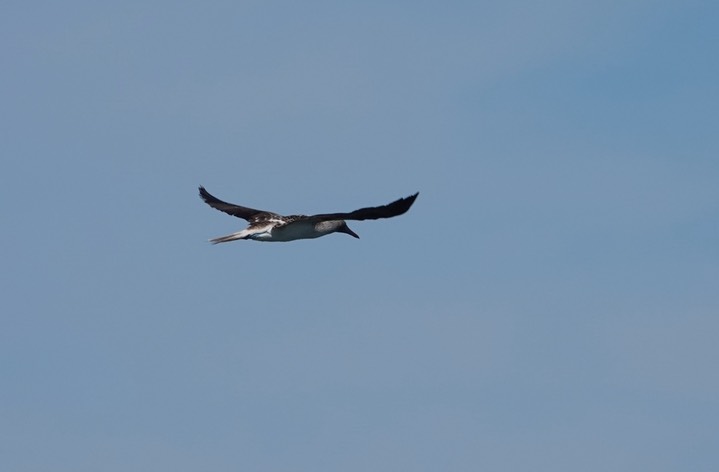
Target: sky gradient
x=551, y=301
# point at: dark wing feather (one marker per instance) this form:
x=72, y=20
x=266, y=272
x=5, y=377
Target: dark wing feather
x=245, y=213
x=395, y=208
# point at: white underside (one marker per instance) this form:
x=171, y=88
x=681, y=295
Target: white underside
x=299, y=230
x=270, y=233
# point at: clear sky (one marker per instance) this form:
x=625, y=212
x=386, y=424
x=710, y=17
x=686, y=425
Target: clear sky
x=550, y=303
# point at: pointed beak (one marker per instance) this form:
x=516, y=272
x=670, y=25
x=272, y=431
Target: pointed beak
x=346, y=229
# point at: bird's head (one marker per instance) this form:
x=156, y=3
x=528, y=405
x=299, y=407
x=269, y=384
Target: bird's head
x=343, y=228
x=334, y=226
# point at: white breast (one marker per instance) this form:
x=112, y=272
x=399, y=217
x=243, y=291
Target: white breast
x=296, y=230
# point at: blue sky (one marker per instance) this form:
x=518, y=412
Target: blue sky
x=549, y=303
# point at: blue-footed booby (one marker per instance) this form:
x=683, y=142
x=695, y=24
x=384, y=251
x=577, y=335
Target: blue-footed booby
x=268, y=226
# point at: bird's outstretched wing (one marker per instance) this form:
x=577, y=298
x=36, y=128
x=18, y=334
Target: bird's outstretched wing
x=249, y=214
x=395, y=208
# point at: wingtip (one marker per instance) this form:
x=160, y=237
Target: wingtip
x=412, y=197
x=410, y=200
x=204, y=194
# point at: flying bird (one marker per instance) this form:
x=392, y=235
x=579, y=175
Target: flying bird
x=268, y=226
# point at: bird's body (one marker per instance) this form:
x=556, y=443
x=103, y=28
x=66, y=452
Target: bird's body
x=280, y=230
x=268, y=226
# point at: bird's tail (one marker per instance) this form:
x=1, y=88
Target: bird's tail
x=231, y=237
